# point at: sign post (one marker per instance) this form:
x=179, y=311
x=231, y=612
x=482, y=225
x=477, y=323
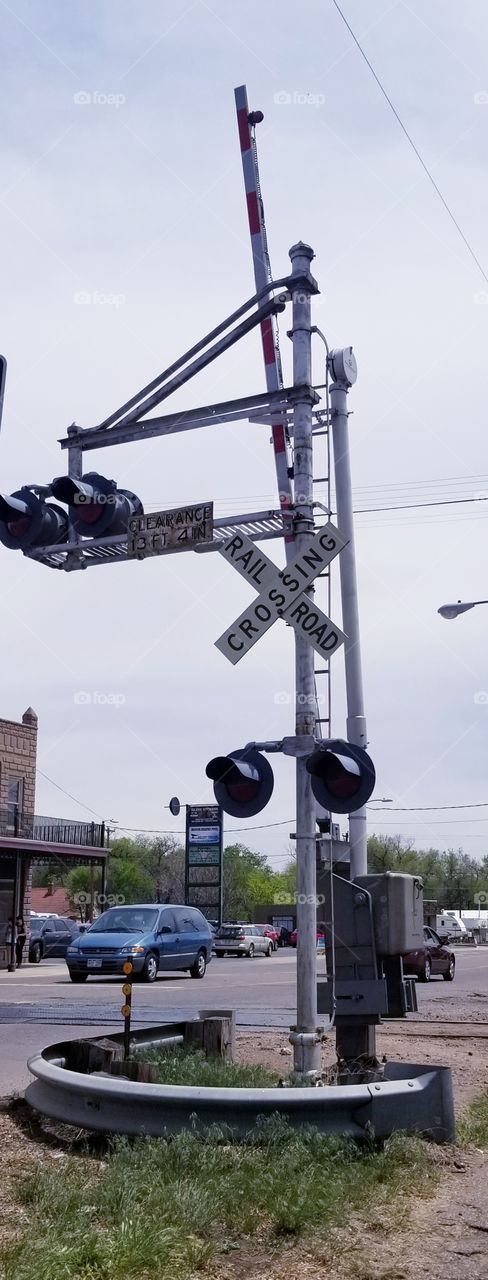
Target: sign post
x=204, y=859
x=127, y=1007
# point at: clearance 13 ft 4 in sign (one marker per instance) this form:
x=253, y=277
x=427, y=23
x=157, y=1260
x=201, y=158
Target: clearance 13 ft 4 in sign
x=282, y=594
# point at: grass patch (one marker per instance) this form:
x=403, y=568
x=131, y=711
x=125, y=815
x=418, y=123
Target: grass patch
x=175, y=1065
x=166, y=1207
x=472, y=1128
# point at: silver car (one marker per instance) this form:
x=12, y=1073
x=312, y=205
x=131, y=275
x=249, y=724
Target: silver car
x=241, y=940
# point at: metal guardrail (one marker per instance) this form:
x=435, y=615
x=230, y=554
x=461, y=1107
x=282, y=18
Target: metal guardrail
x=411, y=1098
x=92, y=835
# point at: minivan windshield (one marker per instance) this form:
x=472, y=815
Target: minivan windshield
x=126, y=920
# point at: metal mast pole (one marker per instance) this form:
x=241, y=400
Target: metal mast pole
x=306, y=1046
x=356, y=722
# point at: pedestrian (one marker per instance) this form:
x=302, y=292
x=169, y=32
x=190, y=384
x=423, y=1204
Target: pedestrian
x=20, y=940
x=9, y=932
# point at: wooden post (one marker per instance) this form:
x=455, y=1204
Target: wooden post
x=212, y=1035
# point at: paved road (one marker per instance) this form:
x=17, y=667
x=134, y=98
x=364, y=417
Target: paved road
x=39, y=1004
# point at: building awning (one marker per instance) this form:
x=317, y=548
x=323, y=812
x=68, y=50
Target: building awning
x=42, y=850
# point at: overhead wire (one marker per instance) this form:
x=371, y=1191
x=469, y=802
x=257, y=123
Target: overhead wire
x=70, y=797
x=413, y=145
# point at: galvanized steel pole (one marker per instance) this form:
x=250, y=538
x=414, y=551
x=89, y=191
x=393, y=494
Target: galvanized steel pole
x=356, y=722
x=304, y=1037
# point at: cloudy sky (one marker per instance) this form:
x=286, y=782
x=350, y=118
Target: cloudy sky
x=124, y=239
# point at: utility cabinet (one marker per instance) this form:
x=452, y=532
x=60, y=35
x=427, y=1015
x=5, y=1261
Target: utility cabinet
x=398, y=911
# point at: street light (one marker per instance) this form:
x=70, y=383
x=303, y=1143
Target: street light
x=453, y=610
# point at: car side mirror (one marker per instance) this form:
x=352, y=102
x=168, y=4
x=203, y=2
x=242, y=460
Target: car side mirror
x=165, y=928
x=82, y=928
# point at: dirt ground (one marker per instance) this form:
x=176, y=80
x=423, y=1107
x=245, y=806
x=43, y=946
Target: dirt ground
x=440, y=1236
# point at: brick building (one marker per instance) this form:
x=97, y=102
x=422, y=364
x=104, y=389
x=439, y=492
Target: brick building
x=18, y=754
x=26, y=839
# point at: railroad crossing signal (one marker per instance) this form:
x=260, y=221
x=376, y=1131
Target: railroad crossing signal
x=26, y=521
x=282, y=594
x=243, y=782
x=96, y=505
x=343, y=776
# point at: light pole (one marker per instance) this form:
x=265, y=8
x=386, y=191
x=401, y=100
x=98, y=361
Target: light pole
x=449, y=611
x=342, y=365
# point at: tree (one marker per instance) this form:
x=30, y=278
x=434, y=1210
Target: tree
x=164, y=862
x=459, y=880
x=249, y=882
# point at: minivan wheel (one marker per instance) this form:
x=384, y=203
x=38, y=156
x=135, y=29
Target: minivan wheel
x=199, y=969
x=36, y=953
x=251, y=950
x=427, y=971
x=150, y=968
x=449, y=975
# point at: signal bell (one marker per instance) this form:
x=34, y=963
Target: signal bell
x=243, y=782
x=343, y=776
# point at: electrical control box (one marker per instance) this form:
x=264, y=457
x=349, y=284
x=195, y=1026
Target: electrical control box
x=398, y=911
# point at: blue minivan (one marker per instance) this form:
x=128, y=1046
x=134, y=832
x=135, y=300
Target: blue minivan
x=152, y=937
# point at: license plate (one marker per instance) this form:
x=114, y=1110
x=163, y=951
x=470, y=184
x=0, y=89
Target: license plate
x=94, y=964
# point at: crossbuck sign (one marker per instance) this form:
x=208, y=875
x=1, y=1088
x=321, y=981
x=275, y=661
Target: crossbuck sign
x=282, y=594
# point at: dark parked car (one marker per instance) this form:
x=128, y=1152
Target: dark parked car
x=432, y=958
x=50, y=937
x=153, y=938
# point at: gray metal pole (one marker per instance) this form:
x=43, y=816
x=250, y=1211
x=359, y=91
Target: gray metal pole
x=304, y=1037
x=356, y=722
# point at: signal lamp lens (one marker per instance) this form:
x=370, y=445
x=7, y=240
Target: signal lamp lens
x=17, y=528
x=89, y=513
x=340, y=782
x=243, y=791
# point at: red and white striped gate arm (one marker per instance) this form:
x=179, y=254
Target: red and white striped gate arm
x=262, y=276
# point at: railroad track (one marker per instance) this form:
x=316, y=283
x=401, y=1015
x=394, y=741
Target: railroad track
x=431, y=1030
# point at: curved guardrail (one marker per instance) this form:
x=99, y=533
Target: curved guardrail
x=411, y=1098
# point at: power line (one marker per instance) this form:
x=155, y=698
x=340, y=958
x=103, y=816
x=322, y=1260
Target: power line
x=70, y=797
x=406, y=506
x=412, y=144
x=360, y=491
x=412, y=506
x=423, y=808
x=155, y=831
